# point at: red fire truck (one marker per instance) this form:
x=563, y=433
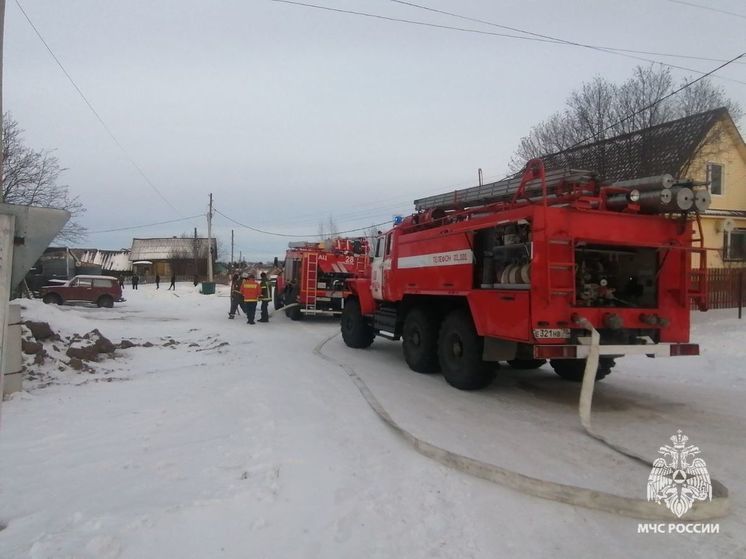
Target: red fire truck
x=313, y=279
x=520, y=270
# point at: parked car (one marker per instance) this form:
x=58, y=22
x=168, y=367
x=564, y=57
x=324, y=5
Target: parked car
x=102, y=290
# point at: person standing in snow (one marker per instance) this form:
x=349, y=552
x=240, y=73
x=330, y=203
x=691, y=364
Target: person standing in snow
x=157, y=281
x=250, y=293
x=173, y=283
x=236, y=297
x=121, y=281
x=265, y=296
x=135, y=281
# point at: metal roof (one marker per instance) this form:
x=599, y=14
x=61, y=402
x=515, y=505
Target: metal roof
x=170, y=248
x=114, y=260
x=664, y=148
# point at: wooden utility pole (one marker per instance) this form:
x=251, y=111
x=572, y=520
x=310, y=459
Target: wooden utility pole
x=2, y=43
x=7, y=225
x=209, y=241
x=195, y=254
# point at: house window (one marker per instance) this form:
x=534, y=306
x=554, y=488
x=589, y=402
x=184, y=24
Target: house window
x=735, y=245
x=715, y=178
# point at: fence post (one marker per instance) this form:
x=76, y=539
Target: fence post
x=740, y=293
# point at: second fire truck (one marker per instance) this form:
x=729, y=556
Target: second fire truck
x=313, y=280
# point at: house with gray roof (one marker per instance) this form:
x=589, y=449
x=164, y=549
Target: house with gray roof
x=184, y=256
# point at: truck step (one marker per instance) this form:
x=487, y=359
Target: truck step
x=386, y=320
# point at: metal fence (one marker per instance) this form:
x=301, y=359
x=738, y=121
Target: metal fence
x=726, y=288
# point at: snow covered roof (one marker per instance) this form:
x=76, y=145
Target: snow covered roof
x=170, y=248
x=114, y=260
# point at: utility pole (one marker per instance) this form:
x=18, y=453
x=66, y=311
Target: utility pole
x=195, y=254
x=232, y=262
x=209, y=242
x=2, y=43
x=7, y=225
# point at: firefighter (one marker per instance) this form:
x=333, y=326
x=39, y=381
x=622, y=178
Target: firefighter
x=236, y=297
x=250, y=293
x=265, y=296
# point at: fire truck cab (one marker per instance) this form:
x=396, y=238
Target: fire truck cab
x=524, y=270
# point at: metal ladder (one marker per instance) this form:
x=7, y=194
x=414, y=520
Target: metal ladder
x=360, y=264
x=560, y=267
x=698, y=287
x=312, y=261
x=504, y=190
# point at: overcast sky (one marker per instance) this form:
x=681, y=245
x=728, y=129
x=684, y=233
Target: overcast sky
x=289, y=115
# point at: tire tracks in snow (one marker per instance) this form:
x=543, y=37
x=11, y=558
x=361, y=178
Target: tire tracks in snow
x=544, y=489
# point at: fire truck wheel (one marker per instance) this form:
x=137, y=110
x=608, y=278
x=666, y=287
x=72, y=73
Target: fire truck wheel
x=573, y=369
x=356, y=332
x=460, y=353
x=293, y=313
x=526, y=364
x=278, y=300
x=420, y=341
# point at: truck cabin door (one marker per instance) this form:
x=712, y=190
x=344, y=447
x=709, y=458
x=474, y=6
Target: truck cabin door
x=380, y=259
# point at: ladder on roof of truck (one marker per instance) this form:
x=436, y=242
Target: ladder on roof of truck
x=503, y=191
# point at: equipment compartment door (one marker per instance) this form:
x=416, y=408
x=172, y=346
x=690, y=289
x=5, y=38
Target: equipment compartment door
x=501, y=313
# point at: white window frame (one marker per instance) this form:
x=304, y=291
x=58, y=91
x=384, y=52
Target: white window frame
x=726, y=246
x=722, y=177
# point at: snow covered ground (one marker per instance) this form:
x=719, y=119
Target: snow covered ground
x=214, y=438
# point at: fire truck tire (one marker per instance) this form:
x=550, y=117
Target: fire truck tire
x=526, y=364
x=293, y=313
x=420, y=341
x=572, y=369
x=356, y=332
x=460, y=353
x=279, y=300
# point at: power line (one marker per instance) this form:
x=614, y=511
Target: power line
x=692, y=4
x=654, y=103
x=552, y=38
x=274, y=234
x=92, y=109
x=536, y=38
x=145, y=225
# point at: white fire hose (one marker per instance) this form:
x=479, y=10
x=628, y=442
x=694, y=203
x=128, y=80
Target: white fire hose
x=545, y=489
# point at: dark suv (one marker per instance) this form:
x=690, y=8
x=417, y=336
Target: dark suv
x=102, y=290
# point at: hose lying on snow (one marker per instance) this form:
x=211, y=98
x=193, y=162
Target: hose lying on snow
x=563, y=493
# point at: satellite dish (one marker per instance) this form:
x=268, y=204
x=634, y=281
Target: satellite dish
x=728, y=225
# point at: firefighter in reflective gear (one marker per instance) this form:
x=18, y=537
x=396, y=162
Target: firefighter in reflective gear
x=250, y=293
x=265, y=296
x=236, y=297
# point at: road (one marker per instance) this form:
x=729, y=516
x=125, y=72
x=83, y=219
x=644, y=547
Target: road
x=235, y=440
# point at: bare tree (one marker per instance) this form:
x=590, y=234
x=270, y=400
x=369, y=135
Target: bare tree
x=328, y=229
x=601, y=109
x=30, y=178
x=371, y=234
